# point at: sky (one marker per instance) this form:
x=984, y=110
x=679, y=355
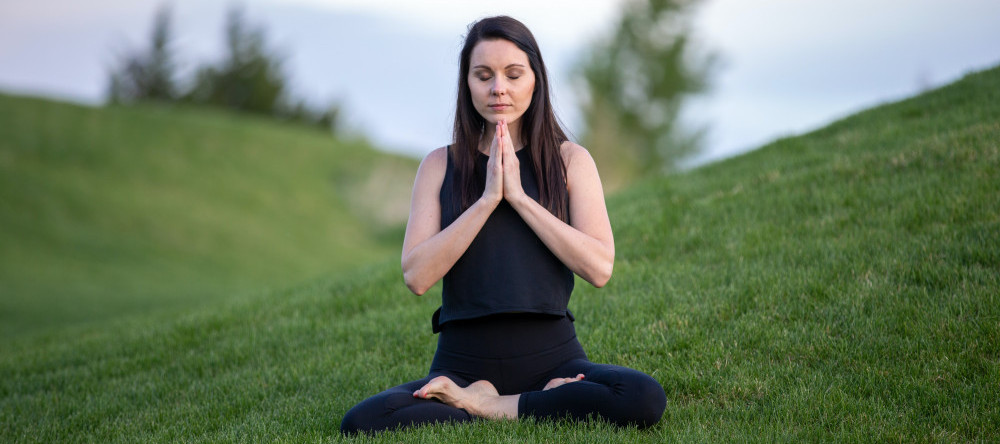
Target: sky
x=786, y=66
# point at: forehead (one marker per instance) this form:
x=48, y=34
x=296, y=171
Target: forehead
x=497, y=54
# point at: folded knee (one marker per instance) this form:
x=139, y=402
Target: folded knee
x=640, y=399
x=377, y=413
x=648, y=401
x=351, y=424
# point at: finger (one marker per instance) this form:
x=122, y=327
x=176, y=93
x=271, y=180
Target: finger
x=508, y=142
x=497, y=140
x=498, y=154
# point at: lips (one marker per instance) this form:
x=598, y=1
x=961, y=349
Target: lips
x=500, y=106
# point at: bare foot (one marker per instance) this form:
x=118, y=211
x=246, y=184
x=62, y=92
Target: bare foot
x=471, y=398
x=560, y=381
x=483, y=388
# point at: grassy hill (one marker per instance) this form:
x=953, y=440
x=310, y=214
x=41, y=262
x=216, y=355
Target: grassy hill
x=112, y=211
x=837, y=286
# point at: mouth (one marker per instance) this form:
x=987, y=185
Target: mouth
x=499, y=106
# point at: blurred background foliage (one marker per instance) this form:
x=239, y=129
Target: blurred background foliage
x=149, y=74
x=187, y=189
x=250, y=77
x=636, y=82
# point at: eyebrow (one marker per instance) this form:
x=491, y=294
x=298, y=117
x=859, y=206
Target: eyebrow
x=512, y=65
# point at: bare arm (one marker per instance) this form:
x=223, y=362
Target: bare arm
x=428, y=251
x=587, y=246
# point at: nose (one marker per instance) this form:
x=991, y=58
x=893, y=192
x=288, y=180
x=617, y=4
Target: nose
x=499, y=86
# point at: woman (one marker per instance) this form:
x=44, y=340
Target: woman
x=505, y=216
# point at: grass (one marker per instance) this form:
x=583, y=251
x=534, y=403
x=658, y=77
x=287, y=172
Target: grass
x=110, y=211
x=837, y=286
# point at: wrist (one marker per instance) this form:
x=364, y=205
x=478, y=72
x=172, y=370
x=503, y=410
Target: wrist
x=517, y=200
x=490, y=202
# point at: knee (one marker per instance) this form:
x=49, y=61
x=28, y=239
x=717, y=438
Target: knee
x=636, y=398
x=362, y=418
x=647, y=401
x=352, y=423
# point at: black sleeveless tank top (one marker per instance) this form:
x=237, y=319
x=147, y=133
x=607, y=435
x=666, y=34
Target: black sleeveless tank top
x=507, y=268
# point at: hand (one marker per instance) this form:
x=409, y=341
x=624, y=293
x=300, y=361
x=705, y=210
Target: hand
x=493, y=191
x=512, y=190
x=561, y=381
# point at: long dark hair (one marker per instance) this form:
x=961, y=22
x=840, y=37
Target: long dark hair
x=539, y=126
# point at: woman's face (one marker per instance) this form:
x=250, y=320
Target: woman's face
x=501, y=80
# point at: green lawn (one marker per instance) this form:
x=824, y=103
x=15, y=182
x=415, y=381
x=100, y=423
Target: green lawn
x=112, y=211
x=837, y=286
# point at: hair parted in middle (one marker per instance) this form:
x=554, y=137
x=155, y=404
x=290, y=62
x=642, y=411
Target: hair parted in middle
x=538, y=125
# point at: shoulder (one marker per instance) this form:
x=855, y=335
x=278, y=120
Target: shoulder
x=435, y=163
x=576, y=157
x=432, y=169
x=580, y=166
x=436, y=158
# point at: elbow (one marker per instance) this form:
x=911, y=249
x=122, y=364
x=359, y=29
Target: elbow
x=601, y=280
x=602, y=268
x=414, y=283
x=602, y=274
x=416, y=287
x=419, y=291
x=416, y=278
x=410, y=279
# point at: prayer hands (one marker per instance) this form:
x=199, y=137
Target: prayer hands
x=503, y=171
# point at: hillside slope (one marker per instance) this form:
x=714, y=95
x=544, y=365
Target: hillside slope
x=109, y=211
x=841, y=286
x=838, y=286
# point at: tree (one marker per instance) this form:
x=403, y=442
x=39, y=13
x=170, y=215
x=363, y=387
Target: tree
x=249, y=78
x=147, y=75
x=636, y=82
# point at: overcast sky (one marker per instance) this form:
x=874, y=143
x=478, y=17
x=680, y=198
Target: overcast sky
x=789, y=66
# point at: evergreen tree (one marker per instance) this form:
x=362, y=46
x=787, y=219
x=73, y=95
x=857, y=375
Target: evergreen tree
x=636, y=83
x=147, y=75
x=249, y=78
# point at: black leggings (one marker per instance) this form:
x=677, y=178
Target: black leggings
x=518, y=354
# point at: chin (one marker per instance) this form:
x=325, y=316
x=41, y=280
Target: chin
x=494, y=118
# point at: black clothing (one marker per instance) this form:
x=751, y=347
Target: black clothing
x=506, y=268
x=517, y=353
x=504, y=319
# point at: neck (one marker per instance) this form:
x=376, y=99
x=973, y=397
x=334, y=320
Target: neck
x=491, y=129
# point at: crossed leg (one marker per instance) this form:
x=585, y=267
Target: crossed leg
x=480, y=398
x=620, y=395
x=397, y=407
